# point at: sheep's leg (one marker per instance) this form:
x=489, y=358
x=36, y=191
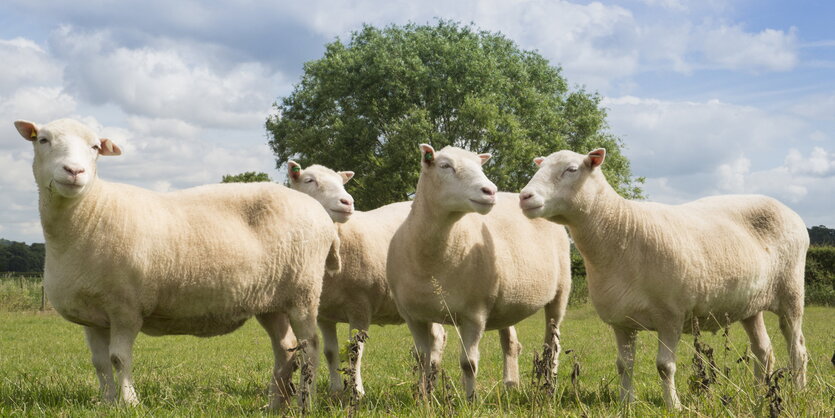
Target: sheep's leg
x=331, y=344
x=626, y=339
x=438, y=342
x=359, y=325
x=426, y=343
x=122, y=337
x=98, y=339
x=791, y=326
x=760, y=345
x=303, y=322
x=282, y=339
x=471, y=333
x=511, y=348
x=666, y=365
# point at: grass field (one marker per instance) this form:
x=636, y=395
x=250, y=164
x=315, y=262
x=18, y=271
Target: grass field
x=45, y=370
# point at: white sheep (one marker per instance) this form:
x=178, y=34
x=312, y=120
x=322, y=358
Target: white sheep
x=121, y=259
x=359, y=293
x=484, y=270
x=658, y=267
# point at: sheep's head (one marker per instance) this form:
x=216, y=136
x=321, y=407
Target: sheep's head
x=326, y=186
x=561, y=184
x=455, y=181
x=65, y=154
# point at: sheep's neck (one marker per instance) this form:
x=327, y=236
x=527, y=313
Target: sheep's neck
x=62, y=217
x=605, y=228
x=431, y=229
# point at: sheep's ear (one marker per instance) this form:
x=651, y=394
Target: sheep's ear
x=427, y=154
x=484, y=157
x=346, y=175
x=294, y=170
x=595, y=158
x=28, y=130
x=538, y=161
x=109, y=148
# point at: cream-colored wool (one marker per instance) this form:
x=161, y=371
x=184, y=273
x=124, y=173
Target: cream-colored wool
x=359, y=293
x=657, y=267
x=484, y=270
x=121, y=259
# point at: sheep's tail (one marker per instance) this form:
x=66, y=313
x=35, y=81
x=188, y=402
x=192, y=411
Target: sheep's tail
x=333, y=263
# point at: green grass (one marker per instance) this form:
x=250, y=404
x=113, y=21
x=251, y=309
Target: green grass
x=45, y=370
x=20, y=293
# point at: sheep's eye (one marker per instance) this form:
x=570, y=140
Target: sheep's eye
x=571, y=169
x=447, y=165
x=96, y=147
x=309, y=180
x=43, y=140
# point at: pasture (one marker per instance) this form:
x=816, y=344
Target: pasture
x=45, y=370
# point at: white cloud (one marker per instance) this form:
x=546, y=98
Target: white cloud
x=37, y=104
x=820, y=107
x=17, y=172
x=818, y=136
x=819, y=163
x=161, y=186
x=166, y=83
x=25, y=63
x=731, y=47
x=676, y=5
x=732, y=175
x=666, y=138
x=596, y=44
x=689, y=150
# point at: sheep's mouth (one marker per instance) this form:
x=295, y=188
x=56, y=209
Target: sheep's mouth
x=69, y=185
x=346, y=212
x=484, y=203
x=531, y=208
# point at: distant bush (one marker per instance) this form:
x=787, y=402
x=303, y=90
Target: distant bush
x=820, y=276
x=248, y=177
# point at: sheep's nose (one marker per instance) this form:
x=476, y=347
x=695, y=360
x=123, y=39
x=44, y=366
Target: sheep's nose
x=347, y=201
x=73, y=171
x=489, y=191
x=525, y=196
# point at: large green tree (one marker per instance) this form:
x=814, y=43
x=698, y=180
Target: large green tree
x=366, y=105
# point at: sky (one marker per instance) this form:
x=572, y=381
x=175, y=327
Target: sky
x=709, y=97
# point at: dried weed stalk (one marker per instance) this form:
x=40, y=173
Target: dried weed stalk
x=704, y=366
x=575, y=373
x=543, y=376
x=306, y=375
x=775, y=401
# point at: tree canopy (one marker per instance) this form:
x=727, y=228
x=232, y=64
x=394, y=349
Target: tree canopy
x=19, y=257
x=248, y=177
x=821, y=235
x=367, y=104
